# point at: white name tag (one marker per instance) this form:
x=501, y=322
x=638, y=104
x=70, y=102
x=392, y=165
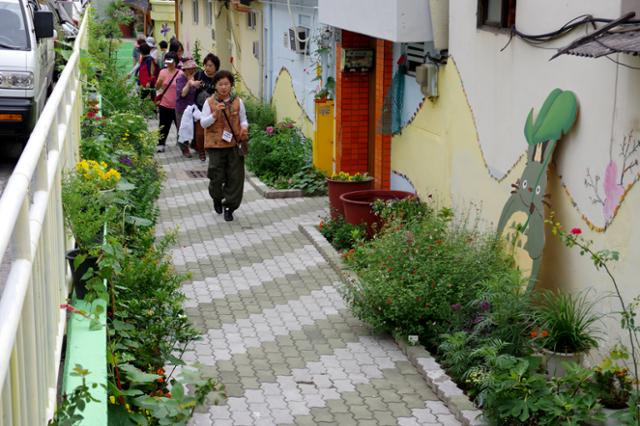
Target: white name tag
x=227, y=136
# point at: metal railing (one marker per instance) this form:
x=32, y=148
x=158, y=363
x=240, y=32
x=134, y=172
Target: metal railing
x=32, y=324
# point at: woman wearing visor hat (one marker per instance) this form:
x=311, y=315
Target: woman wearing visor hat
x=166, y=86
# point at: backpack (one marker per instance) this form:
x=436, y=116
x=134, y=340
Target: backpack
x=148, y=72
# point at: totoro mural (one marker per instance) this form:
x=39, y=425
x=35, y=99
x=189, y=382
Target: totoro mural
x=522, y=220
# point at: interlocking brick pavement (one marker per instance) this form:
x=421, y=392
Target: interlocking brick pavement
x=275, y=329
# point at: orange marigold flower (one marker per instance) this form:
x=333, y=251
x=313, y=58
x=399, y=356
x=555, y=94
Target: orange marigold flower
x=544, y=333
x=160, y=372
x=168, y=394
x=534, y=333
x=160, y=380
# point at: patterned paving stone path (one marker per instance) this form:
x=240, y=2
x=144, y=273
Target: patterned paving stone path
x=275, y=330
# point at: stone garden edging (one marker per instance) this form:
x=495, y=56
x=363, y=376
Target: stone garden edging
x=271, y=193
x=459, y=404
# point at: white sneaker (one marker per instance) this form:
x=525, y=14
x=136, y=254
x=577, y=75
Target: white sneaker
x=160, y=148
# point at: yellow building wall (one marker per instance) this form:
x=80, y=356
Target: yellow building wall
x=287, y=105
x=190, y=32
x=245, y=63
x=163, y=12
x=440, y=154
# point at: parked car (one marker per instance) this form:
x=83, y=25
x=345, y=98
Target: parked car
x=62, y=20
x=26, y=65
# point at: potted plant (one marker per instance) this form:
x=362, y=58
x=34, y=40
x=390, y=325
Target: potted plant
x=568, y=322
x=86, y=210
x=342, y=183
x=613, y=385
x=358, y=206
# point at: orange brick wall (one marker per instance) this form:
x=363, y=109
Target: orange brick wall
x=382, y=155
x=352, y=111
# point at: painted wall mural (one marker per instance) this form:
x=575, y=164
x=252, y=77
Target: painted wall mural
x=522, y=219
x=608, y=189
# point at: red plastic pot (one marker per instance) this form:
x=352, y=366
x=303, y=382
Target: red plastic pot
x=338, y=187
x=358, y=206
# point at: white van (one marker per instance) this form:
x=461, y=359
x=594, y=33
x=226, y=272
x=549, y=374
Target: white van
x=27, y=60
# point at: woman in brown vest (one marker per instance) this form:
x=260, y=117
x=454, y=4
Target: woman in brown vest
x=226, y=165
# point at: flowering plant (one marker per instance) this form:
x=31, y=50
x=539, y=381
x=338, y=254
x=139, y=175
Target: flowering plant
x=612, y=379
x=98, y=173
x=85, y=211
x=567, y=322
x=346, y=177
x=602, y=262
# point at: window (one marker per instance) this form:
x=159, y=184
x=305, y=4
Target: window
x=251, y=20
x=497, y=13
x=180, y=4
x=209, y=13
x=194, y=6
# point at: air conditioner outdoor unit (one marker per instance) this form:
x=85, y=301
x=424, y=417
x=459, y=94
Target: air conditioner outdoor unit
x=298, y=44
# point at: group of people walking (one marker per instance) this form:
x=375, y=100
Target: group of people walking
x=206, y=113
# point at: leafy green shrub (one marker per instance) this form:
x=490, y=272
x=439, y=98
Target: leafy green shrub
x=342, y=235
x=415, y=276
x=515, y=391
x=259, y=114
x=278, y=154
x=404, y=210
x=310, y=180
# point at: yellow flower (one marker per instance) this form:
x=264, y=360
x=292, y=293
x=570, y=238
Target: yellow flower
x=112, y=399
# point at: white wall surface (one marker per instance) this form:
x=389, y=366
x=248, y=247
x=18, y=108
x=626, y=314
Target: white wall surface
x=301, y=67
x=394, y=20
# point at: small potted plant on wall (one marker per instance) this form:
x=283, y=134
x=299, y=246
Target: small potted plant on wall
x=341, y=183
x=568, y=322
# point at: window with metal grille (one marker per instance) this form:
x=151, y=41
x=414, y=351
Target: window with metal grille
x=416, y=55
x=209, y=13
x=256, y=49
x=195, y=10
x=497, y=13
x=251, y=20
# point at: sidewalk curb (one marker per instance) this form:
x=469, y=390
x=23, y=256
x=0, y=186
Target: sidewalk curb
x=271, y=193
x=459, y=404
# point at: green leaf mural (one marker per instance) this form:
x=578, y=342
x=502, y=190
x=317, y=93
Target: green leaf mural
x=556, y=117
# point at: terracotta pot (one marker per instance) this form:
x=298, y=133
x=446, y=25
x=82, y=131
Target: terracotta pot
x=79, y=285
x=358, y=206
x=555, y=359
x=338, y=187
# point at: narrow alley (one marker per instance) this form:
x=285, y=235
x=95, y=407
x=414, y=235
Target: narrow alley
x=276, y=331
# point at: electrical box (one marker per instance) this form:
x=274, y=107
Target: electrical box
x=357, y=60
x=298, y=44
x=427, y=78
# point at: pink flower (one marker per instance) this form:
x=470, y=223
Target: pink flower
x=612, y=190
x=269, y=130
x=576, y=231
